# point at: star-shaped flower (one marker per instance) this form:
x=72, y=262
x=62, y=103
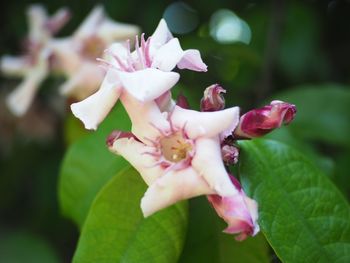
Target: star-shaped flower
x=145, y=73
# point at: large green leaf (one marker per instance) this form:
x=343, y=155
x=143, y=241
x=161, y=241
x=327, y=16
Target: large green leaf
x=301, y=213
x=323, y=112
x=87, y=166
x=115, y=230
x=206, y=243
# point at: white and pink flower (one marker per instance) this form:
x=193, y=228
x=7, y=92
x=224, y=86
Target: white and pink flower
x=177, y=153
x=145, y=74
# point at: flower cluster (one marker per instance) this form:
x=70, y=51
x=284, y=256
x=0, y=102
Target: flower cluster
x=74, y=57
x=180, y=153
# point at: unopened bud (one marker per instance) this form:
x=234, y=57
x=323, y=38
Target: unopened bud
x=213, y=99
x=258, y=122
x=182, y=102
x=229, y=154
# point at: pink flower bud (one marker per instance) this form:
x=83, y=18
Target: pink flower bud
x=115, y=135
x=229, y=154
x=239, y=211
x=258, y=122
x=182, y=102
x=213, y=99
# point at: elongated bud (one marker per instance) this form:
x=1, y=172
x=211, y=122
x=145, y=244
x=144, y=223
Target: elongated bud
x=229, y=154
x=258, y=122
x=115, y=135
x=239, y=211
x=213, y=99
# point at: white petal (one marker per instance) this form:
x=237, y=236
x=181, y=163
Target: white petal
x=136, y=153
x=84, y=82
x=192, y=60
x=208, y=163
x=21, y=98
x=89, y=25
x=168, y=55
x=146, y=118
x=37, y=17
x=160, y=36
x=171, y=188
x=93, y=110
x=148, y=84
x=111, y=31
x=207, y=124
x=65, y=51
x=14, y=66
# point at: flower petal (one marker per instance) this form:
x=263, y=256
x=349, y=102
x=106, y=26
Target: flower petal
x=147, y=120
x=171, y=188
x=88, y=26
x=168, y=55
x=84, y=82
x=147, y=84
x=160, y=36
x=111, y=31
x=208, y=163
x=138, y=155
x=192, y=60
x=37, y=17
x=95, y=108
x=14, y=66
x=64, y=51
x=208, y=124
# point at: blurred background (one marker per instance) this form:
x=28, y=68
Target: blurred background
x=297, y=51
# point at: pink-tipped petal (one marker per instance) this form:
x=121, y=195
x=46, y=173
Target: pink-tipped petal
x=168, y=55
x=207, y=124
x=148, y=84
x=137, y=154
x=192, y=60
x=171, y=188
x=160, y=36
x=145, y=117
x=14, y=66
x=58, y=20
x=208, y=163
x=93, y=110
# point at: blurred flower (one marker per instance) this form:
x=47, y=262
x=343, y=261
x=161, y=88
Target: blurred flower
x=258, y=122
x=230, y=154
x=213, y=100
x=177, y=153
x=145, y=73
x=76, y=55
x=239, y=211
x=34, y=65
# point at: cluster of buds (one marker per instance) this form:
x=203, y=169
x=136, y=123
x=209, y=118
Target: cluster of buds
x=74, y=56
x=180, y=153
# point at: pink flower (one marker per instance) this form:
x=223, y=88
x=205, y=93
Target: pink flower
x=213, y=99
x=34, y=65
x=177, y=153
x=145, y=73
x=258, y=122
x=239, y=211
x=76, y=55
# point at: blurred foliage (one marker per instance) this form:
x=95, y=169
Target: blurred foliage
x=298, y=52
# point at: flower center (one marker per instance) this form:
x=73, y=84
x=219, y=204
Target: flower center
x=175, y=147
x=93, y=47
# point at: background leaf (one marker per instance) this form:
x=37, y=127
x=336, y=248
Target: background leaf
x=115, y=230
x=206, y=243
x=87, y=167
x=302, y=214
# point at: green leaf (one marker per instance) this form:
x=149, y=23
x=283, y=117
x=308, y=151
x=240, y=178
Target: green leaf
x=206, y=243
x=20, y=246
x=323, y=112
x=301, y=213
x=87, y=167
x=115, y=230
